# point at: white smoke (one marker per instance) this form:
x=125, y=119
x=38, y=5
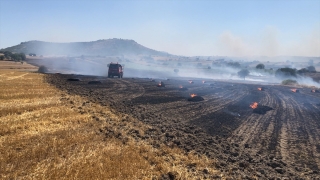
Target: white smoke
x=268, y=43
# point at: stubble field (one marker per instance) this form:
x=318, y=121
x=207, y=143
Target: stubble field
x=49, y=133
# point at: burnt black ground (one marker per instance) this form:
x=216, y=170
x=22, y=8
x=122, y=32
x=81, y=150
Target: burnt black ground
x=282, y=142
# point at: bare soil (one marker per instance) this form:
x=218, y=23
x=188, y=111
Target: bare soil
x=282, y=141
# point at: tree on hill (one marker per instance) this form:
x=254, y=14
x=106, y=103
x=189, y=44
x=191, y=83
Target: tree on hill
x=286, y=72
x=260, y=66
x=243, y=73
x=303, y=70
x=7, y=54
x=311, y=69
x=18, y=57
x=2, y=57
x=234, y=64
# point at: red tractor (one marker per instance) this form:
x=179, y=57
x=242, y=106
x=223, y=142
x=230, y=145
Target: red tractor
x=115, y=69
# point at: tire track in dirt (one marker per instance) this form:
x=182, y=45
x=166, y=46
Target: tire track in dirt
x=310, y=125
x=255, y=128
x=132, y=90
x=299, y=135
x=194, y=110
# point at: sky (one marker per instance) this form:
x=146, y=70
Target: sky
x=188, y=28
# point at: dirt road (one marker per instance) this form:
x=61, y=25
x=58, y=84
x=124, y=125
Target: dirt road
x=282, y=142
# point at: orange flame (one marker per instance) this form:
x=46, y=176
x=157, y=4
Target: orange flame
x=180, y=86
x=193, y=95
x=191, y=82
x=294, y=90
x=260, y=89
x=254, y=105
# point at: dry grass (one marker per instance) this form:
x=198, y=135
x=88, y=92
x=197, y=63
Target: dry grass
x=17, y=65
x=48, y=134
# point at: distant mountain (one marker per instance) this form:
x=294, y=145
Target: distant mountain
x=107, y=47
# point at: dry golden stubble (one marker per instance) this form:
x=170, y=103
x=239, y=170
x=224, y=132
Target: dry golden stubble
x=45, y=136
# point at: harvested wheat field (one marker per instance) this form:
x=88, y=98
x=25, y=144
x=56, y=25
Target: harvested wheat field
x=46, y=133
x=5, y=65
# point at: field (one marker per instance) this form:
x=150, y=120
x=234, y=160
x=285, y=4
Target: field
x=64, y=126
x=280, y=140
x=47, y=132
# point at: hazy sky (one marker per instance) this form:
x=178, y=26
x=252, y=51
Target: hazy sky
x=233, y=28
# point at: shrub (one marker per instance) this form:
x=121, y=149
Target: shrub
x=311, y=69
x=243, y=73
x=303, y=70
x=42, y=69
x=289, y=82
x=260, y=66
x=234, y=64
x=286, y=72
x=23, y=56
x=1, y=57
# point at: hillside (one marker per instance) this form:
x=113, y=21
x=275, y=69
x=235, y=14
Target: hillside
x=108, y=47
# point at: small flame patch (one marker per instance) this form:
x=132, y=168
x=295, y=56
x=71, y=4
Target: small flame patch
x=193, y=95
x=254, y=105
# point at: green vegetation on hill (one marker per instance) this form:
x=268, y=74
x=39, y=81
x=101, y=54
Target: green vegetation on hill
x=12, y=56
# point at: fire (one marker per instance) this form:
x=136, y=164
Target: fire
x=191, y=82
x=180, y=86
x=254, y=105
x=203, y=81
x=294, y=90
x=161, y=84
x=193, y=95
x=260, y=89
x=314, y=90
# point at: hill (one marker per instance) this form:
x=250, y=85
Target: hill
x=107, y=47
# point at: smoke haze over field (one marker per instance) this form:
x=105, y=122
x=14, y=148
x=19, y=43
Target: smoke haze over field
x=188, y=68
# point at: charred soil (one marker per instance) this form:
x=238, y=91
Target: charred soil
x=280, y=140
